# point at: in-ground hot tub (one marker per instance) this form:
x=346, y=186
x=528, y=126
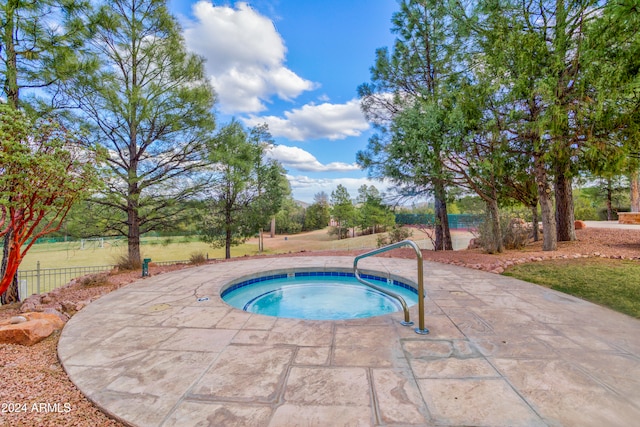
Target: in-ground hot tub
x=318, y=295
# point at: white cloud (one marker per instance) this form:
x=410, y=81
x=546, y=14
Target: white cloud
x=245, y=56
x=302, y=160
x=332, y=121
x=304, y=187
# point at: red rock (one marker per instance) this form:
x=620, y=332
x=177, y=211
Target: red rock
x=27, y=307
x=55, y=321
x=82, y=304
x=37, y=327
x=62, y=316
x=68, y=306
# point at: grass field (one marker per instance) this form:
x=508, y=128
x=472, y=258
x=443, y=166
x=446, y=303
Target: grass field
x=70, y=254
x=608, y=282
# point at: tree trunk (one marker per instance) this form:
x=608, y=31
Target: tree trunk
x=228, y=237
x=227, y=244
x=634, y=180
x=11, y=90
x=549, y=238
x=496, y=232
x=609, y=201
x=273, y=227
x=535, y=223
x=565, y=219
x=133, y=199
x=443, y=234
x=11, y=295
x=133, y=235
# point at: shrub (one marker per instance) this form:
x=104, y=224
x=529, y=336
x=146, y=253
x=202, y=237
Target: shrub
x=197, y=258
x=123, y=263
x=90, y=280
x=397, y=234
x=341, y=232
x=584, y=210
x=515, y=233
x=485, y=237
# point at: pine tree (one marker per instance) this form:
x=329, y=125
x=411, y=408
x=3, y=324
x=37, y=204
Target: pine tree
x=150, y=105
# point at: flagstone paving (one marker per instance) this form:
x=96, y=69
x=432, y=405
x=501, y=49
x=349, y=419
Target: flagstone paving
x=500, y=352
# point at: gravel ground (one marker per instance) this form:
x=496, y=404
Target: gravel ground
x=35, y=390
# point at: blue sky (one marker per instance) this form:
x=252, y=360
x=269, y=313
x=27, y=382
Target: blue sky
x=295, y=65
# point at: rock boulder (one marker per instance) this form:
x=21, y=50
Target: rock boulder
x=37, y=327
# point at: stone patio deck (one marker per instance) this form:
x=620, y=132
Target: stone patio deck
x=501, y=352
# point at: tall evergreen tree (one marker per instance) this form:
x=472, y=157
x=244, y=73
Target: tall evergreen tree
x=342, y=211
x=245, y=192
x=612, y=65
x=536, y=51
x=373, y=214
x=318, y=215
x=406, y=101
x=41, y=46
x=150, y=105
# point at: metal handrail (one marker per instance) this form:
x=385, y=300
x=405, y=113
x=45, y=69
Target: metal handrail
x=407, y=321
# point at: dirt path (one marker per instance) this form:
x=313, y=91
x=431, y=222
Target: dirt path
x=320, y=240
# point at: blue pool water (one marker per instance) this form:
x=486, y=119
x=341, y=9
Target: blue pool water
x=317, y=296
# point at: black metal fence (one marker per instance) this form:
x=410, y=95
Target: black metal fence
x=42, y=280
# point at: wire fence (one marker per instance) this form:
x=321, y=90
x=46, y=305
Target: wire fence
x=42, y=280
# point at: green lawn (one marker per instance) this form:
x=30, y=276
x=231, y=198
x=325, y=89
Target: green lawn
x=611, y=283
x=70, y=254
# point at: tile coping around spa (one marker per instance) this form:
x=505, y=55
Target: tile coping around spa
x=272, y=275
x=501, y=352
